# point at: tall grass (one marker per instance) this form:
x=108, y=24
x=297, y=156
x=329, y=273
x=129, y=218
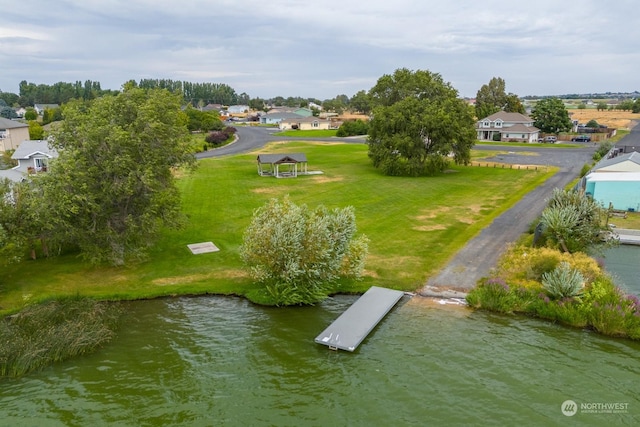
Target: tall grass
x=54, y=331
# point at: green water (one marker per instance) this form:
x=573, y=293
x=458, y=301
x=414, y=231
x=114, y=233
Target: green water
x=213, y=361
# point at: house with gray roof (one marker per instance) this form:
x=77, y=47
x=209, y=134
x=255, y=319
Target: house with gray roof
x=505, y=127
x=41, y=107
x=33, y=156
x=12, y=133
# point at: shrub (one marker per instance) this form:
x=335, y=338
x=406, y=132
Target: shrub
x=493, y=295
x=563, y=282
x=216, y=137
x=352, y=128
x=602, y=150
x=297, y=253
x=585, y=169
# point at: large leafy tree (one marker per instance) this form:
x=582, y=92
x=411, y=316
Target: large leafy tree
x=361, y=102
x=551, y=116
x=418, y=124
x=297, y=253
x=112, y=186
x=492, y=97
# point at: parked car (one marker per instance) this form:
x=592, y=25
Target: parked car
x=550, y=139
x=581, y=138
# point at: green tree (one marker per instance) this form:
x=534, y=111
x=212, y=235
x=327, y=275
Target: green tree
x=51, y=115
x=513, y=104
x=491, y=98
x=36, y=131
x=418, y=123
x=257, y=104
x=601, y=106
x=202, y=120
x=8, y=112
x=352, y=128
x=112, y=186
x=574, y=222
x=297, y=253
x=592, y=124
x=31, y=114
x=551, y=116
x=361, y=102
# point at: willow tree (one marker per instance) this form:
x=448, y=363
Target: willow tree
x=296, y=253
x=112, y=185
x=419, y=124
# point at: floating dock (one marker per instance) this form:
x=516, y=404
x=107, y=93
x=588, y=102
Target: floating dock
x=353, y=326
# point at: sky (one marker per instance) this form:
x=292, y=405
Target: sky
x=321, y=49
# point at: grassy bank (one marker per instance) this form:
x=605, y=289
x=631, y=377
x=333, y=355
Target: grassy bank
x=415, y=225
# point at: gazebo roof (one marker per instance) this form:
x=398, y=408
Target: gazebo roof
x=282, y=158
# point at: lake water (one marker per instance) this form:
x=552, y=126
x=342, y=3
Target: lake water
x=624, y=263
x=221, y=361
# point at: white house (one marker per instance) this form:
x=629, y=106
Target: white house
x=505, y=127
x=33, y=156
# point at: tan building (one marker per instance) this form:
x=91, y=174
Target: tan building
x=12, y=133
x=305, y=123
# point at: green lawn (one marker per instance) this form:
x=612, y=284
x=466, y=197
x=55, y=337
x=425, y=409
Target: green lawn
x=308, y=133
x=415, y=225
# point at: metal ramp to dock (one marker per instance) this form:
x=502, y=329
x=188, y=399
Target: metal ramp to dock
x=353, y=326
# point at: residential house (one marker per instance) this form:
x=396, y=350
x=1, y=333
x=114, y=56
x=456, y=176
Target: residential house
x=505, y=127
x=33, y=156
x=21, y=111
x=615, y=181
x=276, y=118
x=12, y=133
x=305, y=123
x=41, y=107
x=238, y=110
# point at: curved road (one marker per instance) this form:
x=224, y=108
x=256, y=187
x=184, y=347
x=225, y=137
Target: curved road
x=481, y=253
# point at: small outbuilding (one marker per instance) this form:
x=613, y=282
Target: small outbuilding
x=282, y=165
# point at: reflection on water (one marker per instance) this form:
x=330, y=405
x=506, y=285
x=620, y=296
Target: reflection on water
x=624, y=263
x=222, y=361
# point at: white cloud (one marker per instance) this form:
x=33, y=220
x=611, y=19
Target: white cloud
x=321, y=49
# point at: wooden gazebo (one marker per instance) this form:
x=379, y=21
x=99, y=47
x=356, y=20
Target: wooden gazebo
x=282, y=165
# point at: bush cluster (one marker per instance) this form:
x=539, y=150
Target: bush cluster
x=566, y=288
x=353, y=128
x=218, y=137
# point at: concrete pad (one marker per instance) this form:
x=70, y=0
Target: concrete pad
x=202, y=248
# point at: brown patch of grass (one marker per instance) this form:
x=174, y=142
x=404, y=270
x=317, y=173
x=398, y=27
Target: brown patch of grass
x=321, y=179
x=265, y=190
x=167, y=281
x=429, y=227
